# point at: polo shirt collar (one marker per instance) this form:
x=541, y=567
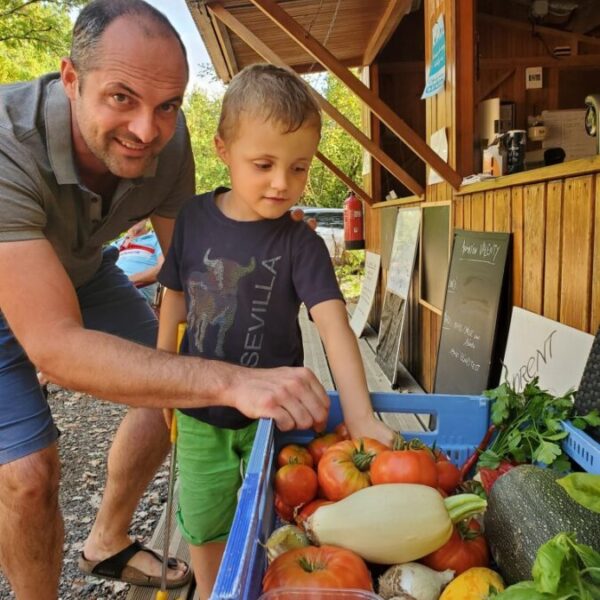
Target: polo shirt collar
x=60, y=146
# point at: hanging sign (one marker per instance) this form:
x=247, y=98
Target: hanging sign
x=436, y=77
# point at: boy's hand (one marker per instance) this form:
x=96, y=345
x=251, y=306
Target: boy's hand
x=168, y=416
x=372, y=428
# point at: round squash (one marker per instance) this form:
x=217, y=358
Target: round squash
x=476, y=583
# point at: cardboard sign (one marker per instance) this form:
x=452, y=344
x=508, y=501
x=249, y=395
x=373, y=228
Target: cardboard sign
x=540, y=347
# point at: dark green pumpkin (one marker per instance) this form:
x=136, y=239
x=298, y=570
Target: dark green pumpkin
x=526, y=508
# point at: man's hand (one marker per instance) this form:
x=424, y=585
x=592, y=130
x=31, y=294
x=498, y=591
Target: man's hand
x=292, y=396
x=298, y=215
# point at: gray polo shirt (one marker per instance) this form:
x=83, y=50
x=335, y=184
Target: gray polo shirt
x=40, y=192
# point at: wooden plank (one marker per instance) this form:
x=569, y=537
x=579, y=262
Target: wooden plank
x=577, y=253
x=386, y=26
x=282, y=19
x=517, y=231
x=344, y=178
x=570, y=168
x=533, y=249
x=502, y=210
x=467, y=213
x=477, y=212
x=458, y=205
x=489, y=211
x=553, y=250
x=595, y=315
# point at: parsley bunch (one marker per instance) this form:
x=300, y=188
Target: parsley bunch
x=528, y=425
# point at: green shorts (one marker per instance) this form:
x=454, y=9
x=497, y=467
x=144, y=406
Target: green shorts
x=211, y=464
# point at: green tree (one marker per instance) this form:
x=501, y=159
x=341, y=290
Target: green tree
x=202, y=114
x=324, y=188
x=34, y=35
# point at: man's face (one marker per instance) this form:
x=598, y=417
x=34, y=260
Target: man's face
x=125, y=108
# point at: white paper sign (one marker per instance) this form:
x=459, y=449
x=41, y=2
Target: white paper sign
x=540, y=347
x=367, y=293
x=439, y=144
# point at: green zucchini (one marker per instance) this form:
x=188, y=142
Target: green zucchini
x=526, y=508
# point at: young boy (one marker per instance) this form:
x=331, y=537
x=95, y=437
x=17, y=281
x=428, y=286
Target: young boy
x=237, y=271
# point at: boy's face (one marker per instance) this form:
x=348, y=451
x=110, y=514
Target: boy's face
x=268, y=168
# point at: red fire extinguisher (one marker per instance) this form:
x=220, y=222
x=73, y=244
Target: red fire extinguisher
x=353, y=223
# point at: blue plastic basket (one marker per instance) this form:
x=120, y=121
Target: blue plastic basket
x=582, y=448
x=461, y=423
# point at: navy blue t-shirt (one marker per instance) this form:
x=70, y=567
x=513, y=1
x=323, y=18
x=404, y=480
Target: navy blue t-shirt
x=244, y=282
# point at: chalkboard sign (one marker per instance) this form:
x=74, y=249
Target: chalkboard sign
x=471, y=312
x=435, y=246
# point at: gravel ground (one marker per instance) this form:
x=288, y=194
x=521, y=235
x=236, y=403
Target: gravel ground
x=88, y=426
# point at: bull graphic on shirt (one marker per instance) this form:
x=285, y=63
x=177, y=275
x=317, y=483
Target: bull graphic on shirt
x=213, y=299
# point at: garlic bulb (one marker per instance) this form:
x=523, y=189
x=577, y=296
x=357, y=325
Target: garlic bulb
x=413, y=581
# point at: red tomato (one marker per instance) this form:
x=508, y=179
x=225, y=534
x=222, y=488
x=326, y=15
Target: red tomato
x=342, y=431
x=294, y=454
x=405, y=466
x=296, y=484
x=344, y=468
x=309, y=509
x=312, y=567
x=466, y=548
x=285, y=512
x=448, y=475
x=318, y=445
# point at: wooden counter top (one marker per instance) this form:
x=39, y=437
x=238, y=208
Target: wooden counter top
x=571, y=168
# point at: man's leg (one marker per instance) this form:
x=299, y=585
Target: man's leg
x=31, y=530
x=111, y=303
x=31, y=527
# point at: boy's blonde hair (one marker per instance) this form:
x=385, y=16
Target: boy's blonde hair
x=274, y=93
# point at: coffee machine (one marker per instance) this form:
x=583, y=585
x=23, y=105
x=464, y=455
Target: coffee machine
x=515, y=141
x=592, y=114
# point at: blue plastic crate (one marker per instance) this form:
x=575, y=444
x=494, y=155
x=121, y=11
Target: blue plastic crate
x=461, y=423
x=582, y=448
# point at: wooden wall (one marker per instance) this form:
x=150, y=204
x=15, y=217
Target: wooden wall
x=556, y=241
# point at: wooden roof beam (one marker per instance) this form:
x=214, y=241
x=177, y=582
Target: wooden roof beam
x=211, y=40
x=395, y=10
x=345, y=179
x=269, y=55
x=384, y=113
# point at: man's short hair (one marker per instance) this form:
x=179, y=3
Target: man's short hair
x=99, y=14
x=271, y=92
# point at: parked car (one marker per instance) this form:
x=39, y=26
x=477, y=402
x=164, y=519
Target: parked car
x=330, y=226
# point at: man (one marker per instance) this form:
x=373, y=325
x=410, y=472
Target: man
x=83, y=156
x=140, y=258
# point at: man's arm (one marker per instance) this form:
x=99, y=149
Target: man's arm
x=149, y=275
x=41, y=307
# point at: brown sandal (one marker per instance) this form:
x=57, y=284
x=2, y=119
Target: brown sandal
x=116, y=567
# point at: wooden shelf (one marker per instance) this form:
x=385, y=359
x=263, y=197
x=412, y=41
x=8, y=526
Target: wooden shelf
x=398, y=202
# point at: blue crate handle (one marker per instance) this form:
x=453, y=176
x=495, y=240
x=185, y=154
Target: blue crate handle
x=461, y=423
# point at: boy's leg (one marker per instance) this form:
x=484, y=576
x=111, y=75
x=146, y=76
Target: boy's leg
x=31, y=529
x=206, y=560
x=209, y=478
x=111, y=303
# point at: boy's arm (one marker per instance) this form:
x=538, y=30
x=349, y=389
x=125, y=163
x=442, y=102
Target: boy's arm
x=348, y=372
x=172, y=312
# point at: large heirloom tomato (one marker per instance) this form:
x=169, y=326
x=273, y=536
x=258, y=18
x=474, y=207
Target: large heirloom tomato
x=344, y=468
x=326, y=567
x=296, y=484
x=405, y=466
x=466, y=548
